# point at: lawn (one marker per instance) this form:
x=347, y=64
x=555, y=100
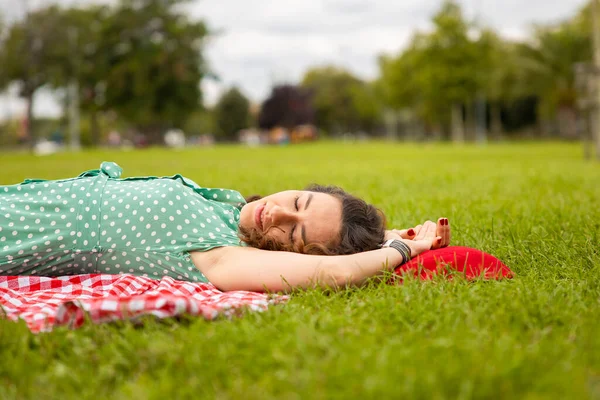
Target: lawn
x=535, y=206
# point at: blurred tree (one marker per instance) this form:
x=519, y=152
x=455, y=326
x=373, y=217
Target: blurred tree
x=488, y=72
x=436, y=74
x=27, y=54
x=548, y=60
x=368, y=106
x=154, y=63
x=450, y=80
x=77, y=45
x=401, y=79
x=200, y=122
x=342, y=102
x=3, y=76
x=500, y=75
x=231, y=114
x=4, y=125
x=287, y=106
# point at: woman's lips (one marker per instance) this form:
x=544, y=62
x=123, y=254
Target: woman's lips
x=258, y=216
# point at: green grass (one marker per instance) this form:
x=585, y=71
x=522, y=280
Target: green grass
x=537, y=207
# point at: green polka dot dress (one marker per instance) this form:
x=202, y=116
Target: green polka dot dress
x=99, y=223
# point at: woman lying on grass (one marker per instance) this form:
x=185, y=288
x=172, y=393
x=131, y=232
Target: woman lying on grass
x=170, y=226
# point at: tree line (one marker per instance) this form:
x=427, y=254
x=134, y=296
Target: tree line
x=140, y=62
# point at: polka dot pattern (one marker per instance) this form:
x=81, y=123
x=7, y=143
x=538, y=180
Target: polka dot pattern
x=99, y=223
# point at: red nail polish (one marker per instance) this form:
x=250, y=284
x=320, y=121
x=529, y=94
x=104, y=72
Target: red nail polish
x=411, y=232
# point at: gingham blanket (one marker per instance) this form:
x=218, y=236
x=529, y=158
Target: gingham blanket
x=44, y=303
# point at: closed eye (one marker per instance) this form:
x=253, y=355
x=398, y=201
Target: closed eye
x=294, y=227
x=292, y=234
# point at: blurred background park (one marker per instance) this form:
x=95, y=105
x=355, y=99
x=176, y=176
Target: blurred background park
x=387, y=87
x=136, y=73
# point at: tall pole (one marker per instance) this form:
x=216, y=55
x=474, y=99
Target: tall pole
x=73, y=90
x=29, y=85
x=480, y=103
x=596, y=69
x=73, y=93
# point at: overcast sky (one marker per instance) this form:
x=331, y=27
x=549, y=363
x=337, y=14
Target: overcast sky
x=265, y=41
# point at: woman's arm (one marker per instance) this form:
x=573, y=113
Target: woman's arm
x=246, y=268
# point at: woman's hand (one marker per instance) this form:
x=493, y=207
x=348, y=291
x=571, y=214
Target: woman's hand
x=442, y=230
x=423, y=237
x=426, y=238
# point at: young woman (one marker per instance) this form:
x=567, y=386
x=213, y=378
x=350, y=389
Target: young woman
x=170, y=226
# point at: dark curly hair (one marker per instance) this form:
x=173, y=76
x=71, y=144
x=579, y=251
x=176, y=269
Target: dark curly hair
x=363, y=228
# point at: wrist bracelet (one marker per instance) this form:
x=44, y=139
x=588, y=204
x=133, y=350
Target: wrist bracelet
x=402, y=248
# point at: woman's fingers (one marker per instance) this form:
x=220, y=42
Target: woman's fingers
x=400, y=233
x=426, y=231
x=436, y=243
x=418, y=229
x=446, y=232
x=440, y=227
x=438, y=234
x=405, y=233
x=430, y=232
x=443, y=230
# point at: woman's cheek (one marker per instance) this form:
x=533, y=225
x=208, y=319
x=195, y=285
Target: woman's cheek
x=245, y=216
x=276, y=235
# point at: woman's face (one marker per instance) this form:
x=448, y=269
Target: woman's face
x=292, y=216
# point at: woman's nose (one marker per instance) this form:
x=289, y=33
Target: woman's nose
x=280, y=215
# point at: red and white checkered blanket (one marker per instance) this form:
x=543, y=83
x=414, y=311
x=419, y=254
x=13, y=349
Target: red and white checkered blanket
x=48, y=302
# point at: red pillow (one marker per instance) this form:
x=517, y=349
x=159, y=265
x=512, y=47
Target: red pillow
x=471, y=263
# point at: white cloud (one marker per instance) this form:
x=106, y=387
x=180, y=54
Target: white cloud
x=265, y=41
x=262, y=40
